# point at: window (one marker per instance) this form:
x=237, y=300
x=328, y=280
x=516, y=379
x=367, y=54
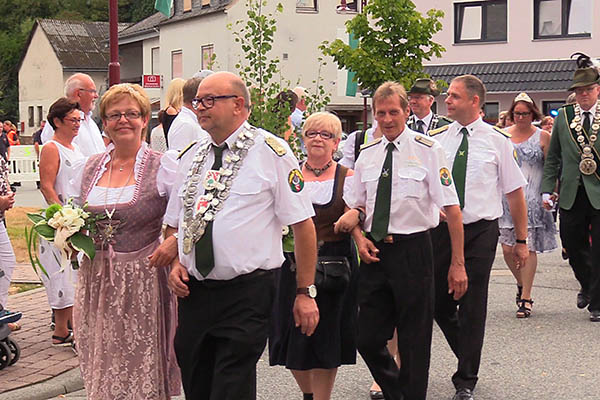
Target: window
x=30, y=114
x=187, y=5
x=306, y=5
x=562, y=18
x=155, y=56
x=551, y=107
x=40, y=115
x=208, y=52
x=482, y=21
x=491, y=111
x=176, y=64
x=347, y=6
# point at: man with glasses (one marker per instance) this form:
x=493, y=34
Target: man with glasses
x=185, y=128
x=573, y=145
x=81, y=88
x=420, y=98
x=234, y=190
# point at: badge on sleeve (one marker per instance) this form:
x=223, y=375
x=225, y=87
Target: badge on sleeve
x=296, y=180
x=516, y=156
x=445, y=176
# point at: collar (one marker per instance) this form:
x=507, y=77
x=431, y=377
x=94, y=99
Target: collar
x=591, y=110
x=426, y=120
x=398, y=141
x=471, y=127
x=231, y=139
x=186, y=110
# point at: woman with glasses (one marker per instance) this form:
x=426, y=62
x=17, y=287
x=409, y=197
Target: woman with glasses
x=124, y=313
x=314, y=359
x=531, y=145
x=56, y=161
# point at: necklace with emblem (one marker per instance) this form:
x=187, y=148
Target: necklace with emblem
x=587, y=165
x=108, y=232
x=198, y=213
x=317, y=171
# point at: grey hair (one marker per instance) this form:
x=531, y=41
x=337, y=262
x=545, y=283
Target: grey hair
x=74, y=82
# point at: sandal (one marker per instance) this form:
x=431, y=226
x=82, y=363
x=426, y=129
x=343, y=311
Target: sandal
x=524, y=312
x=519, y=293
x=14, y=326
x=63, y=341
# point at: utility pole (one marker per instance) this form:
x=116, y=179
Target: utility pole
x=114, y=68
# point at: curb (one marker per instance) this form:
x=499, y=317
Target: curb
x=67, y=382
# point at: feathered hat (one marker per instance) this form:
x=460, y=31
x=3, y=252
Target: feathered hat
x=586, y=73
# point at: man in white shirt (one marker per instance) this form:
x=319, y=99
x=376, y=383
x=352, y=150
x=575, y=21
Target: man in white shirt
x=185, y=128
x=298, y=114
x=82, y=89
x=228, y=219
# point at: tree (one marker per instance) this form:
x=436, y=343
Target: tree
x=394, y=39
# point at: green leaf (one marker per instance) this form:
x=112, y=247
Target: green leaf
x=45, y=231
x=83, y=243
x=35, y=218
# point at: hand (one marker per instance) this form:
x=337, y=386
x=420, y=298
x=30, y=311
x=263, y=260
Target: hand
x=165, y=253
x=520, y=254
x=443, y=216
x=549, y=200
x=458, y=283
x=6, y=202
x=346, y=222
x=177, y=278
x=306, y=314
x=367, y=251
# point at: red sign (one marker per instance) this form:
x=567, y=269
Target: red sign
x=152, y=81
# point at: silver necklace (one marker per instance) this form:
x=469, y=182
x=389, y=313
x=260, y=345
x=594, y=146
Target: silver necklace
x=587, y=165
x=108, y=232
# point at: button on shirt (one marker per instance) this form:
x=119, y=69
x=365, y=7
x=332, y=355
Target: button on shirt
x=184, y=130
x=89, y=138
x=492, y=170
x=417, y=189
x=247, y=231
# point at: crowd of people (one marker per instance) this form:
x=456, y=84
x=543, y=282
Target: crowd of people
x=191, y=279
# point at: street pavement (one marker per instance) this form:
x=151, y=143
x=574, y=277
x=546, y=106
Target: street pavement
x=551, y=356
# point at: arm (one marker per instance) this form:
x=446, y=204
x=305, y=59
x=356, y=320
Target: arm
x=457, y=276
x=49, y=165
x=518, y=211
x=167, y=251
x=552, y=162
x=306, y=313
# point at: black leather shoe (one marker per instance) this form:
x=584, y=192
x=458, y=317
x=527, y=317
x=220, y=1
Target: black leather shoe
x=595, y=316
x=583, y=299
x=376, y=395
x=463, y=394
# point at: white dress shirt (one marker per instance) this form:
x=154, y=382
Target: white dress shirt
x=417, y=189
x=247, y=232
x=492, y=170
x=426, y=121
x=348, y=158
x=184, y=130
x=89, y=139
x=297, y=117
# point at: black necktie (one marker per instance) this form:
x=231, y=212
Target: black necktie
x=420, y=126
x=383, y=198
x=586, y=121
x=205, y=257
x=459, y=167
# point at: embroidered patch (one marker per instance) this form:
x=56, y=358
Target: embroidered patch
x=445, y=177
x=296, y=180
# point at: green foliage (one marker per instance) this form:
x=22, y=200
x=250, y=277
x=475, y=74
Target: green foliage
x=394, y=39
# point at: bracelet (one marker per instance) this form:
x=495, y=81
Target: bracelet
x=521, y=241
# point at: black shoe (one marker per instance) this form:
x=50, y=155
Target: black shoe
x=595, y=316
x=463, y=394
x=583, y=299
x=376, y=395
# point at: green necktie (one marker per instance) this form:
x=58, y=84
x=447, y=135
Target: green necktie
x=420, y=126
x=586, y=121
x=459, y=168
x=205, y=257
x=381, y=213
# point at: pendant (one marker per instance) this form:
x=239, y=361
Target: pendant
x=211, y=179
x=573, y=125
x=587, y=166
x=187, y=245
x=110, y=214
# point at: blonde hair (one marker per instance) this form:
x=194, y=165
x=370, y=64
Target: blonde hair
x=174, y=96
x=131, y=90
x=326, y=120
x=388, y=89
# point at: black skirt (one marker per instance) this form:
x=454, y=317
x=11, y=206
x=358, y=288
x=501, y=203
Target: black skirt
x=334, y=340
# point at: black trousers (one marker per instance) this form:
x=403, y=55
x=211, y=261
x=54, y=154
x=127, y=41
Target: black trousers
x=397, y=293
x=463, y=321
x=575, y=236
x=222, y=332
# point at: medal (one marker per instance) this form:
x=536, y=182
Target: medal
x=211, y=179
x=573, y=125
x=587, y=166
x=187, y=245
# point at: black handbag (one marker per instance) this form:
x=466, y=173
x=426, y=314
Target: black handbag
x=332, y=274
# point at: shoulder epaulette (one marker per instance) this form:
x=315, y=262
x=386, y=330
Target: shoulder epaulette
x=371, y=143
x=189, y=146
x=438, y=130
x=502, y=131
x=450, y=120
x=423, y=140
x=275, y=146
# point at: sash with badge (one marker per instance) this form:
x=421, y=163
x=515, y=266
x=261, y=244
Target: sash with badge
x=198, y=212
x=585, y=140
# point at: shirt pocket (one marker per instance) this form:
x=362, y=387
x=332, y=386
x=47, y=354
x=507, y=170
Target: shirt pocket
x=370, y=179
x=411, y=182
x=482, y=166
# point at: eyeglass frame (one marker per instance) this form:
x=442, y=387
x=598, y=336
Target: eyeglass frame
x=94, y=91
x=196, y=101
x=113, y=117
x=73, y=120
x=522, y=114
x=313, y=134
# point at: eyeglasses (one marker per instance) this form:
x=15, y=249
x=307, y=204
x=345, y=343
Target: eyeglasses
x=94, y=91
x=209, y=101
x=586, y=89
x=522, y=114
x=129, y=115
x=74, y=121
x=324, y=135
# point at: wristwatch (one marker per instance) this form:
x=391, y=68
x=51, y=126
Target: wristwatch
x=310, y=291
x=361, y=216
x=521, y=241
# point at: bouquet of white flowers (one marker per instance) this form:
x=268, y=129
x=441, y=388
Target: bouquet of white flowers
x=64, y=226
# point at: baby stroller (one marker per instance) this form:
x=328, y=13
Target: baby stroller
x=9, y=349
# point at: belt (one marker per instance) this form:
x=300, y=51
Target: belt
x=397, y=237
x=238, y=280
